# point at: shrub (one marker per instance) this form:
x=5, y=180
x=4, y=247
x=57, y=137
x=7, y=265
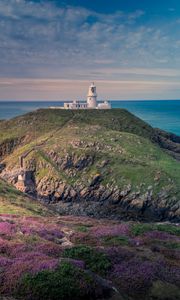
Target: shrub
x=66, y=283
x=138, y=229
x=82, y=228
x=172, y=229
x=115, y=240
x=172, y=245
x=95, y=261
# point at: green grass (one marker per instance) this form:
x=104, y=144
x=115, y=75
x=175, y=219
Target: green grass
x=115, y=241
x=140, y=229
x=172, y=245
x=95, y=261
x=82, y=228
x=15, y=202
x=64, y=283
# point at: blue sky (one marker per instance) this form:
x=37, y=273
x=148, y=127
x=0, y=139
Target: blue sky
x=53, y=49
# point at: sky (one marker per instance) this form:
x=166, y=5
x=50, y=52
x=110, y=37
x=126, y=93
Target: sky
x=52, y=50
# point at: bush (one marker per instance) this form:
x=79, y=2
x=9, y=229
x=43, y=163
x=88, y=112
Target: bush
x=95, y=261
x=138, y=229
x=66, y=283
x=115, y=240
x=175, y=230
x=82, y=228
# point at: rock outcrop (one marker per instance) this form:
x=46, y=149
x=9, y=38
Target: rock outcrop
x=101, y=201
x=8, y=146
x=169, y=142
x=96, y=199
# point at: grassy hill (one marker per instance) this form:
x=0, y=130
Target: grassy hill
x=109, y=157
x=87, y=163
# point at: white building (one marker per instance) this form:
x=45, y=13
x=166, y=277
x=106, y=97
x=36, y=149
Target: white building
x=91, y=101
x=104, y=105
x=75, y=105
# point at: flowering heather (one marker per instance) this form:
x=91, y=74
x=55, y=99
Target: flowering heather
x=4, y=261
x=5, y=247
x=6, y=228
x=28, y=263
x=160, y=235
x=50, y=234
x=118, y=254
x=30, y=245
x=112, y=230
x=12, y=248
x=135, y=275
x=49, y=249
x=45, y=231
x=18, y=249
x=170, y=274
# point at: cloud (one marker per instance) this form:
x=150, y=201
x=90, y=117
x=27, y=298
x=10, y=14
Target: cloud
x=43, y=40
x=56, y=89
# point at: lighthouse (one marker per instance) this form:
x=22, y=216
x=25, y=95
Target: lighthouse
x=91, y=102
x=92, y=97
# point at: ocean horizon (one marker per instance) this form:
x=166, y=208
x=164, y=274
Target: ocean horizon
x=163, y=114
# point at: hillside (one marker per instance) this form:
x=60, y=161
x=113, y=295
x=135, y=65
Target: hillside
x=46, y=256
x=99, y=164
x=94, y=163
x=15, y=203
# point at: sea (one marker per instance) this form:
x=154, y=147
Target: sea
x=163, y=114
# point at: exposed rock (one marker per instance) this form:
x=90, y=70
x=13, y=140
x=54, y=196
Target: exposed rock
x=8, y=145
x=71, y=161
x=96, y=180
x=2, y=167
x=168, y=141
x=96, y=199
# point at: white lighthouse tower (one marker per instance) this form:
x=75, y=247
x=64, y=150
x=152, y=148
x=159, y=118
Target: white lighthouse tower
x=91, y=101
x=92, y=97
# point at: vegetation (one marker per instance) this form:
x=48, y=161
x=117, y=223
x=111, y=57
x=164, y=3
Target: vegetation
x=118, y=137
x=95, y=261
x=45, y=256
x=139, y=229
x=115, y=240
x=16, y=203
x=64, y=283
x=36, y=264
